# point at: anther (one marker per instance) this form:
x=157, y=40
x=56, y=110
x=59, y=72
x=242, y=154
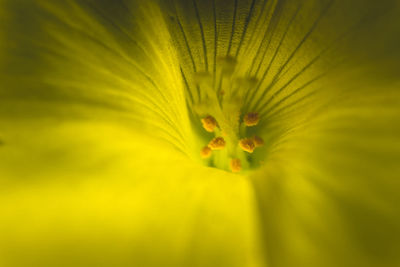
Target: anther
x=251, y=119
x=205, y=152
x=217, y=143
x=258, y=141
x=247, y=145
x=235, y=165
x=209, y=123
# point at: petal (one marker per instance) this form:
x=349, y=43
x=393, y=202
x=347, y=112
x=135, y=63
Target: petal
x=84, y=193
x=94, y=141
x=328, y=193
x=328, y=94
x=79, y=59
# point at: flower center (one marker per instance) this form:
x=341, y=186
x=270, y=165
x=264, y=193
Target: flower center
x=220, y=113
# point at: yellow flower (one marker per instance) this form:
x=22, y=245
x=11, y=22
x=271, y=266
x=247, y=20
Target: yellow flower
x=113, y=113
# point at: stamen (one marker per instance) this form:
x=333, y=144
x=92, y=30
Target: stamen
x=235, y=165
x=223, y=95
x=251, y=119
x=247, y=145
x=217, y=143
x=209, y=123
x=205, y=152
x=258, y=141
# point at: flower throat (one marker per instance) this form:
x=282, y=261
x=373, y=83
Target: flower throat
x=220, y=113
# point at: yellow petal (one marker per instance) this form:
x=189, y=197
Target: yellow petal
x=95, y=165
x=84, y=193
x=327, y=91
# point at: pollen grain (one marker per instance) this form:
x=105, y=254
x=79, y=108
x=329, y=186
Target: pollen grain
x=251, y=119
x=209, y=123
x=258, y=141
x=205, y=152
x=247, y=145
x=235, y=165
x=217, y=143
